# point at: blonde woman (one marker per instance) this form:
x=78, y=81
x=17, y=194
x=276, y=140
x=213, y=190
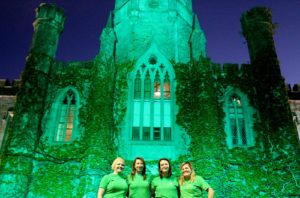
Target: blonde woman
x=192, y=185
x=114, y=185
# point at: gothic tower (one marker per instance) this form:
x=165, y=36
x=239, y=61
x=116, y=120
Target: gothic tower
x=154, y=35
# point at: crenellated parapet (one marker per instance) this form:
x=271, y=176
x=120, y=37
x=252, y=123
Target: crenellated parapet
x=9, y=88
x=293, y=91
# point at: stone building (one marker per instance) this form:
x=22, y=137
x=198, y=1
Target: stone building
x=152, y=91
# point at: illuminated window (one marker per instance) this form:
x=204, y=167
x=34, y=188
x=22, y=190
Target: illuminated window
x=167, y=87
x=151, y=118
x=66, y=118
x=156, y=86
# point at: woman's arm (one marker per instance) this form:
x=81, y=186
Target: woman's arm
x=178, y=191
x=101, y=192
x=210, y=193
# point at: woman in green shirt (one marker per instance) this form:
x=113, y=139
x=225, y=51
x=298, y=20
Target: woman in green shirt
x=192, y=185
x=165, y=185
x=139, y=183
x=114, y=185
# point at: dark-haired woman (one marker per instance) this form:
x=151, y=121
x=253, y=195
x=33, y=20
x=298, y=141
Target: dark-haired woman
x=139, y=183
x=192, y=185
x=165, y=185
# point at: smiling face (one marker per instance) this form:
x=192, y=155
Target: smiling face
x=118, y=166
x=139, y=166
x=164, y=167
x=186, y=171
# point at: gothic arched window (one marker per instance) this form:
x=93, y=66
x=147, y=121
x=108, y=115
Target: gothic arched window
x=151, y=118
x=238, y=121
x=66, y=116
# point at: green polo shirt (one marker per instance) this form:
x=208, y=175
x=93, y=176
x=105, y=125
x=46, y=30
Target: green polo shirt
x=138, y=187
x=114, y=185
x=165, y=187
x=193, y=189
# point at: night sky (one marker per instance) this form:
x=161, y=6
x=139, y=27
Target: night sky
x=220, y=20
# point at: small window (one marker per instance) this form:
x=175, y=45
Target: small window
x=156, y=133
x=167, y=134
x=153, y=3
x=146, y=133
x=135, y=133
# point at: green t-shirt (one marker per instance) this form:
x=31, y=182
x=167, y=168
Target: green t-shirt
x=114, y=185
x=138, y=187
x=193, y=189
x=165, y=187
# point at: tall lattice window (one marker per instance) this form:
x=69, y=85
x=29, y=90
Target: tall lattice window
x=237, y=121
x=66, y=118
x=137, y=85
x=151, y=120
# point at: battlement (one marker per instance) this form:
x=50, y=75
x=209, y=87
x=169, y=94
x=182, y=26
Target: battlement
x=293, y=91
x=50, y=13
x=231, y=68
x=9, y=88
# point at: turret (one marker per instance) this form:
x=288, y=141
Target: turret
x=258, y=31
x=271, y=98
x=48, y=25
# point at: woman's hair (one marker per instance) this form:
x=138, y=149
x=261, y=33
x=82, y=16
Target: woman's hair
x=133, y=170
x=113, y=165
x=170, y=167
x=181, y=180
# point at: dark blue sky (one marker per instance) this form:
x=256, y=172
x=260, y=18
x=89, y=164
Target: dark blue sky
x=220, y=20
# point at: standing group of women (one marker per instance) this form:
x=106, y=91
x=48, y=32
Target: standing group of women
x=139, y=185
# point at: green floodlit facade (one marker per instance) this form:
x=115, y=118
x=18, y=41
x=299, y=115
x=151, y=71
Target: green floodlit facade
x=153, y=92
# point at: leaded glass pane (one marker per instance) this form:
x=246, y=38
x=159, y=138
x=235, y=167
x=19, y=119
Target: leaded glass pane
x=135, y=133
x=137, y=86
x=167, y=134
x=146, y=133
x=147, y=86
x=157, y=92
x=156, y=133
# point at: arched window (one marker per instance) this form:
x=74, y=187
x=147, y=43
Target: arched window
x=66, y=118
x=238, y=120
x=151, y=118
